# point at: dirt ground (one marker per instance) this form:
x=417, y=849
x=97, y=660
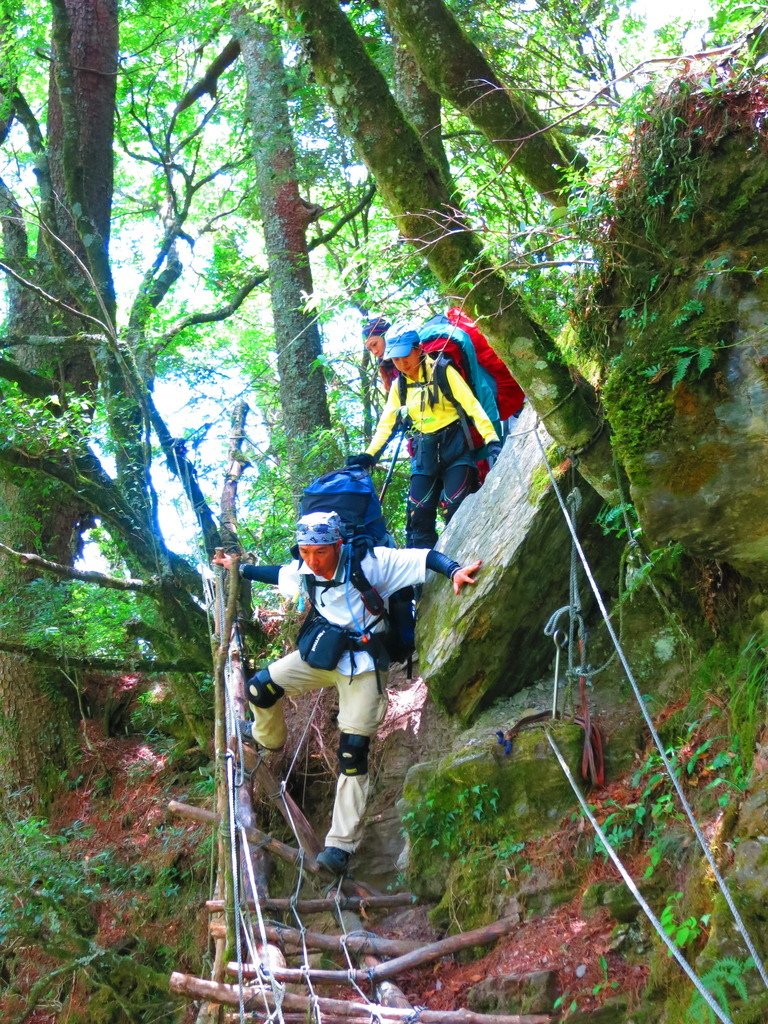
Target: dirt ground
x=129, y=816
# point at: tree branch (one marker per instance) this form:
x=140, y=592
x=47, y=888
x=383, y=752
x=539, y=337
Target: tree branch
x=364, y=202
x=31, y=384
x=216, y=315
x=176, y=455
x=42, y=340
x=86, y=575
x=540, y=152
x=127, y=664
x=13, y=227
x=58, y=303
x=27, y=119
x=208, y=82
x=85, y=477
x=231, y=478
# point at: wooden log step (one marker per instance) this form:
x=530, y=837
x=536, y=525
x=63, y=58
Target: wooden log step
x=355, y=943
x=289, y=975
x=418, y=954
x=254, y=835
x=444, y=947
x=228, y=995
x=317, y=906
x=301, y=1018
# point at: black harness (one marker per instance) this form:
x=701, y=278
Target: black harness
x=365, y=640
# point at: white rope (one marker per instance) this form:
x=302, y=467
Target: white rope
x=303, y=931
x=674, y=951
x=278, y=990
x=235, y=883
x=345, y=936
x=649, y=722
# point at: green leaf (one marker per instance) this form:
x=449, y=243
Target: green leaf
x=704, y=359
x=680, y=370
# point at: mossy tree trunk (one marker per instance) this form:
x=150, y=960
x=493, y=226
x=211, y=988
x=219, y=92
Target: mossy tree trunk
x=419, y=103
x=74, y=164
x=62, y=350
x=285, y=217
x=459, y=72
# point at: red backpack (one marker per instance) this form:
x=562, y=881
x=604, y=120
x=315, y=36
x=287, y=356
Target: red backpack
x=509, y=395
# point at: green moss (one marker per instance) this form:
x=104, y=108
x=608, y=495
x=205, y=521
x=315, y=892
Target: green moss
x=540, y=480
x=469, y=816
x=125, y=991
x=639, y=412
x=685, y=244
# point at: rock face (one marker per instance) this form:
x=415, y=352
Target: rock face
x=678, y=323
x=515, y=993
x=706, y=485
x=489, y=642
x=468, y=817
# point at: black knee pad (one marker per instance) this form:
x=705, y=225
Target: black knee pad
x=353, y=754
x=262, y=692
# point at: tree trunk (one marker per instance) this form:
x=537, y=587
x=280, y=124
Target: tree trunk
x=285, y=216
x=535, y=148
x=413, y=189
x=38, y=713
x=419, y=103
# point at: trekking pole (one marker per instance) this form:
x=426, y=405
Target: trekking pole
x=391, y=470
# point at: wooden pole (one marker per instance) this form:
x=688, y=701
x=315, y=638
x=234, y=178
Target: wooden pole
x=288, y=975
x=445, y=947
x=418, y=955
x=220, y=734
x=301, y=1018
x=199, y=988
x=290, y=810
x=254, y=835
x=367, y=943
x=319, y=906
x=306, y=833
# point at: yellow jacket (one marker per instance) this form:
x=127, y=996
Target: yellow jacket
x=427, y=419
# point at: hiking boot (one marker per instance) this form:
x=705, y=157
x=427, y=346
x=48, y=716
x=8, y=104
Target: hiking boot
x=333, y=860
x=245, y=728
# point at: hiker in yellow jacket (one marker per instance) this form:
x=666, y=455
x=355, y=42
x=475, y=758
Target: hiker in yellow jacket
x=438, y=404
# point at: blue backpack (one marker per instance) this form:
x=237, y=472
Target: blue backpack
x=449, y=345
x=351, y=495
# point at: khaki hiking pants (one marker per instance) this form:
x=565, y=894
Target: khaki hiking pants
x=361, y=710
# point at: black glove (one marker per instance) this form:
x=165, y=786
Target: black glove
x=361, y=461
x=494, y=451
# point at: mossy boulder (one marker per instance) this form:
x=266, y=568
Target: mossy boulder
x=469, y=815
x=515, y=993
x=679, y=321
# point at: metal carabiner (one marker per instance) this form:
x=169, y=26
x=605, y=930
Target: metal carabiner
x=559, y=638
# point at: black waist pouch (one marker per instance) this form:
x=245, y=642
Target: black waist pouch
x=321, y=643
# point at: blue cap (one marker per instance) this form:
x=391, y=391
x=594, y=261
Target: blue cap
x=401, y=345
